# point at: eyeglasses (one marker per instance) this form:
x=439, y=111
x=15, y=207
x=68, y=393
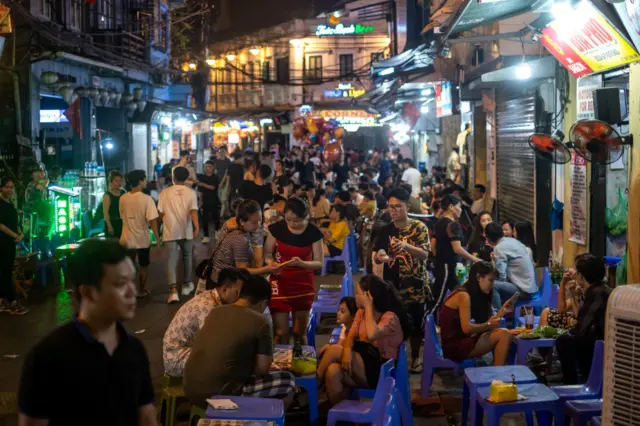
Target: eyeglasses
x=397, y=206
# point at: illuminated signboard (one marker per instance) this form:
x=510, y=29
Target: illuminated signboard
x=344, y=91
x=352, y=120
x=585, y=43
x=444, y=100
x=53, y=116
x=342, y=30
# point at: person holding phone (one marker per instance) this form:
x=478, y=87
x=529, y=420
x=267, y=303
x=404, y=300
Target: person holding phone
x=468, y=327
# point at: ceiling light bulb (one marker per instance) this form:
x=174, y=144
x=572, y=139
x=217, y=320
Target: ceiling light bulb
x=523, y=71
x=192, y=65
x=254, y=51
x=424, y=109
x=211, y=62
x=231, y=57
x=296, y=42
x=561, y=9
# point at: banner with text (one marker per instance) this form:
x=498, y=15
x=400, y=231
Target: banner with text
x=585, y=43
x=579, y=194
x=586, y=86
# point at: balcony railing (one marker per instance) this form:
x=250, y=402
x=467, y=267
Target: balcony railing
x=126, y=45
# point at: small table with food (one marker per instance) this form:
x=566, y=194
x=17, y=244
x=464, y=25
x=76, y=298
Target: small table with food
x=526, y=340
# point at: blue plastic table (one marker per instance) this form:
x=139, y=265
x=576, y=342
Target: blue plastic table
x=524, y=346
x=540, y=400
x=249, y=408
x=483, y=376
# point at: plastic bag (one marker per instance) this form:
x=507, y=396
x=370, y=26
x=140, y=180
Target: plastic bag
x=621, y=271
x=616, y=218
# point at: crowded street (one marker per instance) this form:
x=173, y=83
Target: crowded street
x=319, y=212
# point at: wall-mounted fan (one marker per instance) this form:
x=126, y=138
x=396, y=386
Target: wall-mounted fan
x=550, y=147
x=597, y=141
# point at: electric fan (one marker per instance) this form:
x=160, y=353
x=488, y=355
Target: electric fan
x=550, y=147
x=597, y=141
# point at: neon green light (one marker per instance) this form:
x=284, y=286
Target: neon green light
x=62, y=203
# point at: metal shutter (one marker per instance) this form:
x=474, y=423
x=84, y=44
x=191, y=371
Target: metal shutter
x=515, y=159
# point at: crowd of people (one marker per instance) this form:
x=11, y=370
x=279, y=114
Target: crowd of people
x=274, y=218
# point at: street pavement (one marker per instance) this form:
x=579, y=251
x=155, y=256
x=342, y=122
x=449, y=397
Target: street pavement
x=52, y=307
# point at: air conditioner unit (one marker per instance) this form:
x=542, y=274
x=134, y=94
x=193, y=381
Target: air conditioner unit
x=621, y=393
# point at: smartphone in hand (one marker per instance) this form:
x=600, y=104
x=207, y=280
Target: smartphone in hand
x=508, y=305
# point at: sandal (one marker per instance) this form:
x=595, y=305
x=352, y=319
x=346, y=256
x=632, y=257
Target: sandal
x=416, y=366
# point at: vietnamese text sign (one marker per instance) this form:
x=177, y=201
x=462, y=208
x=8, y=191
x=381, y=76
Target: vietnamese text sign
x=586, y=86
x=444, y=101
x=578, y=213
x=585, y=43
x=342, y=30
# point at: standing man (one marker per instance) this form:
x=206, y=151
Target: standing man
x=453, y=166
x=178, y=207
x=258, y=189
x=236, y=177
x=208, y=187
x=478, y=198
x=412, y=176
x=341, y=171
x=10, y=235
x=91, y=360
x=185, y=161
x=138, y=211
x=222, y=172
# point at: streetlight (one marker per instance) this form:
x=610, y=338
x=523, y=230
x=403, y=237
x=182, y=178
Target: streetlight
x=523, y=71
x=231, y=57
x=254, y=51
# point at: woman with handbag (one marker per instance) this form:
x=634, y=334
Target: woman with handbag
x=233, y=248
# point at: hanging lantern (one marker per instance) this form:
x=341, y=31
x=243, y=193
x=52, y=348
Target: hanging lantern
x=118, y=98
x=104, y=96
x=112, y=95
x=127, y=97
x=137, y=93
x=93, y=92
x=81, y=91
x=66, y=92
x=49, y=78
x=131, y=108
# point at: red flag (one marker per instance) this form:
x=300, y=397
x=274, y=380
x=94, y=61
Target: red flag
x=73, y=115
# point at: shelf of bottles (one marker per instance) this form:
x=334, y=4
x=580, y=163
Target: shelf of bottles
x=93, y=183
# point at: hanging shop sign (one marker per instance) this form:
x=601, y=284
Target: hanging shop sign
x=584, y=93
x=351, y=120
x=344, y=91
x=629, y=13
x=579, y=195
x=5, y=20
x=585, y=43
x=344, y=30
x=200, y=127
x=444, y=100
x=478, y=13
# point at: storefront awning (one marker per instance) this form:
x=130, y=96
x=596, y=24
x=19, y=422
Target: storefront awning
x=147, y=115
x=412, y=60
x=464, y=15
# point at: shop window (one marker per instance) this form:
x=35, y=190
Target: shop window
x=266, y=70
x=313, y=70
x=163, y=30
x=346, y=66
x=377, y=57
x=282, y=70
x=228, y=81
x=106, y=14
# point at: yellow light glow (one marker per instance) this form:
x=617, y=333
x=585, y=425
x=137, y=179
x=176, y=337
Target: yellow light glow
x=211, y=62
x=296, y=43
x=254, y=51
x=192, y=66
x=231, y=57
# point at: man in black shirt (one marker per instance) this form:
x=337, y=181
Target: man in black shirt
x=91, y=370
x=381, y=202
x=258, y=189
x=210, y=205
x=236, y=176
x=10, y=234
x=341, y=171
x=222, y=163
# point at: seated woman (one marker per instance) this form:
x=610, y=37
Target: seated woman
x=379, y=328
x=478, y=242
x=463, y=339
x=570, y=299
x=336, y=234
x=346, y=314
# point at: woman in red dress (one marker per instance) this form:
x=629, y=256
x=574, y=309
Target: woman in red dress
x=299, y=243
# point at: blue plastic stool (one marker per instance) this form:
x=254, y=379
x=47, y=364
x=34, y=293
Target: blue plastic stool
x=335, y=336
x=349, y=256
x=310, y=384
x=363, y=411
x=391, y=415
x=524, y=346
x=477, y=377
x=541, y=401
x=581, y=411
x=311, y=333
x=249, y=408
x=553, y=304
x=540, y=299
x=433, y=359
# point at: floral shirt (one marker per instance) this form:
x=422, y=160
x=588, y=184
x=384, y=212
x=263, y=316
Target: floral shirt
x=181, y=333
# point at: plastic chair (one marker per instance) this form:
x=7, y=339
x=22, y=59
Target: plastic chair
x=347, y=256
x=310, y=384
x=364, y=411
x=249, y=408
x=195, y=415
x=581, y=411
x=540, y=400
x=541, y=299
x=524, y=346
x=590, y=390
x=311, y=333
x=433, y=358
x=330, y=305
x=477, y=377
x=335, y=335
x=553, y=304
x=596, y=421
x=401, y=374
x=390, y=416
x=169, y=400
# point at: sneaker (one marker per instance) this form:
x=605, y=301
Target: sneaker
x=173, y=298
x=16, y=308
x=205, y=240
x=187, y=288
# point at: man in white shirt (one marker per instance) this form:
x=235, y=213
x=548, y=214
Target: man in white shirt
x=453, y=166
x=185, y=156
x=412, y=176
x=178, y=207
x=138, y=211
